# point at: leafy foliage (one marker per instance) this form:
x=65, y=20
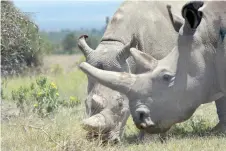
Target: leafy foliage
x=69, y=43
x=21, y=44
x=44, y=96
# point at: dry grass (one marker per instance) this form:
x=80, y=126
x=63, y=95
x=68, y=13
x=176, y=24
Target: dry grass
x=67, y=62
x=63, y=131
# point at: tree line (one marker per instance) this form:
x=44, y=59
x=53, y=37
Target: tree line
x=65, y=41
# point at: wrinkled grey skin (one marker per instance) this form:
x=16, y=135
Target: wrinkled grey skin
x=193, y=73
x=142, y=20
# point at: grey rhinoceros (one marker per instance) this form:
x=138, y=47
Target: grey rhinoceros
x=193, y=73
x=148, y=22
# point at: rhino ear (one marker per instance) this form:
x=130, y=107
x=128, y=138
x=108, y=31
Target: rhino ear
x=98, y=102
x=191, y=13
x=83, y=46
x=125, y=52
x=176, y=20
x=144, y=62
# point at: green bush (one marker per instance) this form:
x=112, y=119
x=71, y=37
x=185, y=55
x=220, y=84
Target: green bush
x=73, y=101
x=69, y=43
x=43, y=95
x=46, y=96
x=22, y=47
x=21, y=96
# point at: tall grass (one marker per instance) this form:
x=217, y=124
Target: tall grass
x=64, y=132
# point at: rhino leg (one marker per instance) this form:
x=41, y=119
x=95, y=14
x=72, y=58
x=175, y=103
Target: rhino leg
x=141, y=136
x=221, y=111
x=116, y=134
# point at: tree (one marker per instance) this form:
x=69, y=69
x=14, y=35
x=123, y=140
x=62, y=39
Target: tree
x=21, y=45
x=107, y=19
x=69, y=43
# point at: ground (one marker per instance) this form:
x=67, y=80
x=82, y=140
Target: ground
x=63, y=131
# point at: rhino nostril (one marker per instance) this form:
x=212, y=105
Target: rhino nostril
x=141, y=116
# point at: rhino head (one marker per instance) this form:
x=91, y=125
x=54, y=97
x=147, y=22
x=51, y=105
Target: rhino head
x=169, y=90
x=107, y=110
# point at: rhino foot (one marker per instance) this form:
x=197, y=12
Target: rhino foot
x=103, y=137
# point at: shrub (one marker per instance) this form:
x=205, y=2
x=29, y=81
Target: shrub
x=22, y=47
x=21, y=96
x=73, y=101
x=46, y=96
x=69, y=43
x=43, y=95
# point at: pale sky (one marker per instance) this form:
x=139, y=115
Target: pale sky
x=64, y=14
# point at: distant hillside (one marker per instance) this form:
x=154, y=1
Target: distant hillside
x=57, y=36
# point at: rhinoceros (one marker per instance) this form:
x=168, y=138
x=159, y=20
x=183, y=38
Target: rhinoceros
x=108, y=110
x=193, y=73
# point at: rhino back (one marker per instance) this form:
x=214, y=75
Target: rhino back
x=149, y=21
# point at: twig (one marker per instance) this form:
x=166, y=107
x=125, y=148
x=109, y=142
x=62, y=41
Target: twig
x=39, y=128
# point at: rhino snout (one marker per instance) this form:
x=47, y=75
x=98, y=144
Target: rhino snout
x=143, y=118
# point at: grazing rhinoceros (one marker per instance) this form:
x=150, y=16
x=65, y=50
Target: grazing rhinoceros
x=193, y=73
x=150, y=23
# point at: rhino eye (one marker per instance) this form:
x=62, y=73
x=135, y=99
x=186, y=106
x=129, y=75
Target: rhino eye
x=167, y=77
x=100, y=66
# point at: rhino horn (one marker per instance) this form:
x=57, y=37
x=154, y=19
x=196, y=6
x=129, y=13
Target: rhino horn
x=83, y=46
x=118, y=81
x=95, y=123
x=144, y=62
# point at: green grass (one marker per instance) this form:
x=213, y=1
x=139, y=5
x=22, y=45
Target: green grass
x=70, y=84
x=63, y=131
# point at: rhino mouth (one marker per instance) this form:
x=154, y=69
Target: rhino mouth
x=152, y=128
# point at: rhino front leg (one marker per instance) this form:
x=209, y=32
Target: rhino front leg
x=117, y=133
x=221, y=111
x=141, y=136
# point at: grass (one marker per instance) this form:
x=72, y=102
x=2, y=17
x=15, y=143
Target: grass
x=63, y=131
x=25, y=134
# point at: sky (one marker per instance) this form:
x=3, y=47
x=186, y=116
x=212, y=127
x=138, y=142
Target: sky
x=53, y=15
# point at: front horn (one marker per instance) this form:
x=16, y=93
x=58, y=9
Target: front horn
x=118, y=81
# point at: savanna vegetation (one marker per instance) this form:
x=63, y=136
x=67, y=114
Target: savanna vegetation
x=42, y=96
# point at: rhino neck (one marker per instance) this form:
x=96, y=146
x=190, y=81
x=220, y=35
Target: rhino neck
x=109, y=45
